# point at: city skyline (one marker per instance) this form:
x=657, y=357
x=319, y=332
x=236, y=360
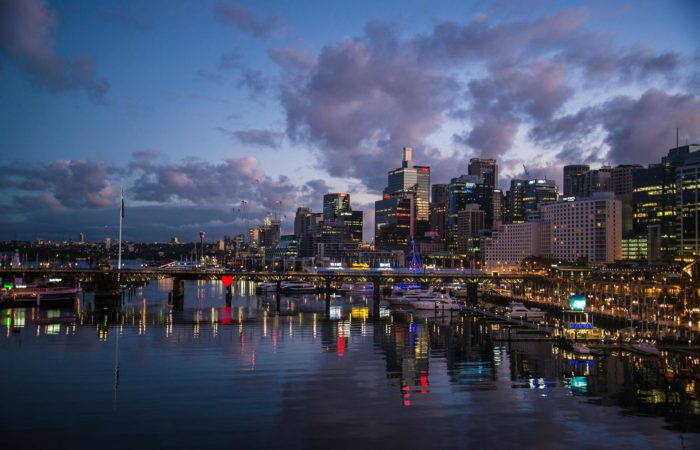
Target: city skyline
x=274, y=107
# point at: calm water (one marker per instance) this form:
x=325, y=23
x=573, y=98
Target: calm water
x=307, y=377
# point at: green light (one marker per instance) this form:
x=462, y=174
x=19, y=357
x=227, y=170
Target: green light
x=7, y=286
x=577, y=302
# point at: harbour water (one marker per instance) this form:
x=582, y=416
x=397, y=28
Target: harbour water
x=307, y=376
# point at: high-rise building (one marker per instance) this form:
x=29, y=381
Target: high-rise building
x=270, y=232
x=354, y=222
x=654, y=199
x=569, y=172
x=438, y=211
x=334, y=204
x=688, y=210
x=486, y=169
x=462, y=191
x=412, y=178
x=525, y=197
x=394, y=219
x=409, y=188
x=510, y=244
x=591, y=181
x=470, y=221
x=621, y=178
x=498, y=210
x=439, y=193
x=81, y=239
x=302, y=221
x=589, y=228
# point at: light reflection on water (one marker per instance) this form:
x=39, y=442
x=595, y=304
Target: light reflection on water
x=250, y=375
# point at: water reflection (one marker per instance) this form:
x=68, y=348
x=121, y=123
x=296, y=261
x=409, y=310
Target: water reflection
x=414, y=379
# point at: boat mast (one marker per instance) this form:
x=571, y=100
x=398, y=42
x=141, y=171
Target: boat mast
x=121, y=219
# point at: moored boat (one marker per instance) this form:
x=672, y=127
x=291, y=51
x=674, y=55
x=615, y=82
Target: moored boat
x=517, y=310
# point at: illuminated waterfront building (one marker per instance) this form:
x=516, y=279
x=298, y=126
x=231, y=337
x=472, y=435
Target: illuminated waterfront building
x=510, y=244
x=589, y=228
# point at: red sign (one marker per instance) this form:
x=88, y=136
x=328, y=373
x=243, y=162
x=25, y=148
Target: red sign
x=227, y=280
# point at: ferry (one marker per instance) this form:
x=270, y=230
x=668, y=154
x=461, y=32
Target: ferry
x=39, y=294
x=287, y=287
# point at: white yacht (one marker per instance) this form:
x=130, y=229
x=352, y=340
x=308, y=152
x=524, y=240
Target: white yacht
x=266, y=287
x=438, y=301
x=297, y=287
x=517, y=310
x=409, y=295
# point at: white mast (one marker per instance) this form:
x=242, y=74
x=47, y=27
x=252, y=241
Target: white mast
x=121, y=219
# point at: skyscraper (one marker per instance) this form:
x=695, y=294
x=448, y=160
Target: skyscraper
x=463, y=191
x=411, y=178
x=301, y=221
x=569, y=172
x=486, y=169
x=334, y=204
x=404, y=211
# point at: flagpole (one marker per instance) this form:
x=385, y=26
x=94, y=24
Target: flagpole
x=121, y=218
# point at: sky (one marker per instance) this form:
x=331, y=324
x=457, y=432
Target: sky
x=212, y=114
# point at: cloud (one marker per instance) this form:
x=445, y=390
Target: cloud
x=637, y=130
x=243, y=19
x=262, y=138
x=26, y=29
x=62, y=184
x=361, y=103
x=230, y=60
x=292, y=59
x=451, y=42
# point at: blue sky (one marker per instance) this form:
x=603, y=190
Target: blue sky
x=199, y=106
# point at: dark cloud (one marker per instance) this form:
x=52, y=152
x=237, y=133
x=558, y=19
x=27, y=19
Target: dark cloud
x=261, y=138
x=635, y=130
x=26, y=29
x=121, y=15
x=242, y=18
x=60, y=184
x=360, y=104
x=646, y=127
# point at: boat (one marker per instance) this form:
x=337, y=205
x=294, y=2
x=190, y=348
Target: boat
x=438, y=302
x=517, y=310
x=297, y=287
x=39, y=294
x=266, y=287
x=409, y=295
x=356, y=288
x=646, y=348
x=581, y=349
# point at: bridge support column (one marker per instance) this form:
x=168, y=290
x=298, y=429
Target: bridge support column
x=376, y=297
x=229, y=294
x=472, y=293
x=278, y=295
x=108, y=293
x=178, y=294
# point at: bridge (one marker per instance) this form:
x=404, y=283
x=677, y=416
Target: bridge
x=108, y=282
x=647, y=296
